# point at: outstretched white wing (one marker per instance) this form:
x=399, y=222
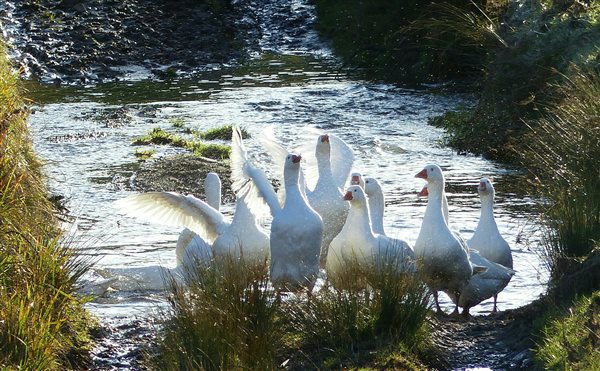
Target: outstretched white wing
x=249, y=180
x=174, y=209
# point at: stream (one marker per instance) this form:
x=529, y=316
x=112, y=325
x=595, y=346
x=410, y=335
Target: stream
x=84, y=134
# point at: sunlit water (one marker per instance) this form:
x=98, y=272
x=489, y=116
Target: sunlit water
x=88, y=153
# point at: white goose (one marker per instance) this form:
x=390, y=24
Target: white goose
x=481, y=286
x=376, y=204
x=357, y=179
x=334, y=162
x=242, y=237
x=190, y=246
x=442, y=259
x=484, y=285
x=357, y=242
x=487, y=238
x=296, y=229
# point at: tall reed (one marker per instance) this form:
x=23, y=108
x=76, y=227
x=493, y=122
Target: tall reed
x=564, y=151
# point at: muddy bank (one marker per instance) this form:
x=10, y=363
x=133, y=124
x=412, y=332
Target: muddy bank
x=183, y=174
x=499, y=341
x=91, y=41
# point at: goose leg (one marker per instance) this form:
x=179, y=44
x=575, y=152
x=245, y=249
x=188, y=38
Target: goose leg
x=437, y=303
x=455, y=312
x=495, y=310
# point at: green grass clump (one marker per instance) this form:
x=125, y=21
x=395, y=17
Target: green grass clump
x=364, y=317
x=223, y=133
x=224, y=318
x=227, y=316
x=209, y=150
x=42, y=322
x=161, y=137
x=563, y=153
x=144, y=154
x=572, y=341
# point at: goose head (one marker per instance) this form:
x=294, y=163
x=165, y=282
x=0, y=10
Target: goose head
x=355, y=195
x=292, y=164
x=357, y=179
x=323, y=148
x=485, y=188
x=433, y=175
x=372, y=187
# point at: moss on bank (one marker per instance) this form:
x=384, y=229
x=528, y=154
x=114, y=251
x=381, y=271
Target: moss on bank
x=42, y=322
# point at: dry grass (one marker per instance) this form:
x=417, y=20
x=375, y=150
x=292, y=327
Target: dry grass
x=42, y=323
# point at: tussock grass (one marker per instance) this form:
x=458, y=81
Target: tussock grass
x=571, y=340
x=363, y=316
x=222, y=318
x=42, y=323
x=161, y=137
x=226, y=316
x=563, y=153
x=222, y=132
x=210, y=150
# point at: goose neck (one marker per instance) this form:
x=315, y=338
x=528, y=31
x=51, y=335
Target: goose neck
x=213, y=197
x=376, y=210
x=359, y=220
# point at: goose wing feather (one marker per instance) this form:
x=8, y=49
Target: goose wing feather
x=174, y=209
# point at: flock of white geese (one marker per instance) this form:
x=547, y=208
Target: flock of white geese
x=318, y=223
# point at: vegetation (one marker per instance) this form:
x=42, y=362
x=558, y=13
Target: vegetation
x=162, y=137
x=571, y=339
x=144, y=154
x=406, y=41
x=42, y=322
x=227, y=317
x=563, y=152
x=542, y=42
x=222, y=132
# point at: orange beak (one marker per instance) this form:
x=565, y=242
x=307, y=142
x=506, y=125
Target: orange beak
x=422, y=174
x=296, y=158
x=325, y=138
x=348, y=196
x=424, y=192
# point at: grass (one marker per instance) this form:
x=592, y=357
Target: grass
x=42, y=322
x=161, y=137
x=563, y=153
x=364, y=317
x=144, y=153
x=226, y=317
x=572, y=340
x=222, y=319
x=541, y=42
x=222, y=133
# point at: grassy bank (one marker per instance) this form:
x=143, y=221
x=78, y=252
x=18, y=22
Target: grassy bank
x=42, y=323
x=404, y=41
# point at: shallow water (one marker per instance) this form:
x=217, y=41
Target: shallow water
x=85, y=134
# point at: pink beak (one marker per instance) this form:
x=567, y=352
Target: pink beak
x=424, y=192
x=325, y=138
x=422, y=174
x=355, y=180
x=348, y=196
x=296, y=158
